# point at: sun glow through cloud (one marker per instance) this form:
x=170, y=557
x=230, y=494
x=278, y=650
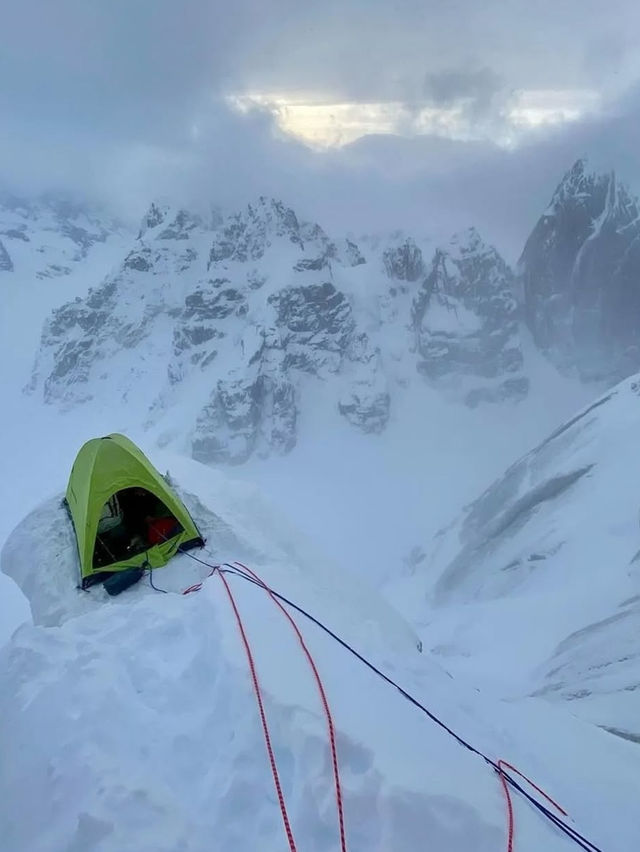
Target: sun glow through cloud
x=326, y=123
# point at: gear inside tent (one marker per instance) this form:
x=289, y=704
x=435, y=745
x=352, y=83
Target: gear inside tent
x=125, y=514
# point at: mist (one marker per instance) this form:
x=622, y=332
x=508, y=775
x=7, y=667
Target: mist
x=115, y=106
x=281, y=248
x=120, y=105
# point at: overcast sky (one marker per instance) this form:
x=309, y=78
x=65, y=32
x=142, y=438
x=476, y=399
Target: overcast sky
x=476, y=107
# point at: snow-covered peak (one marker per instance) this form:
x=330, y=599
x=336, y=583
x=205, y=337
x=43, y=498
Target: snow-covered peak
x=404, y=261
x=247, y=235
x=48, y=237
x=466, y=241
x=466, y=323
x=586, y=187
x=165, y=220
x=577, y=184
x=243, y=310
x=579, y=272
x=239, y=315
x=473, y=258
x=620, y=207
x=154, y=217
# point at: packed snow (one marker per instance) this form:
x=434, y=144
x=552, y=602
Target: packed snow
x=550, y=555
x=131, y=721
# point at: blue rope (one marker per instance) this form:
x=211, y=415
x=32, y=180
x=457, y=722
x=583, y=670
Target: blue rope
x=146, y=564
x=569, y=831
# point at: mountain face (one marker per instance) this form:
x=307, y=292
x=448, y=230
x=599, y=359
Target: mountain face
x=230, y=330
x=465, y=320
x=48, y=237
x=220, y=328
x=550, y=555
x=580, y=271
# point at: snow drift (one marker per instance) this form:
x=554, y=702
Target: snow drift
x=538, y=581
x=130, y=724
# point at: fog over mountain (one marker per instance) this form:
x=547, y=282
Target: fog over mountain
x=362, y=281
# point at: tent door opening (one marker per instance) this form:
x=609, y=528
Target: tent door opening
x=132, y=521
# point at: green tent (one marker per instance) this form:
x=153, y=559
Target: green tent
x=123, y=511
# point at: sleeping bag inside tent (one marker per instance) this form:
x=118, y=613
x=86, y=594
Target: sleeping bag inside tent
x=124, y=513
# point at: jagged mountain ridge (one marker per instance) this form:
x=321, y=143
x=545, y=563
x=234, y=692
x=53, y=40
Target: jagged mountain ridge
x=245, y=310
x=464, y=309
x=580, y=271
x=219, y=324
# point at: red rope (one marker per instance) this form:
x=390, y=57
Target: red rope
x=505, y=787
x=325, y=704
x=507, y=794
x=500, y=763
x=263, y=718
x=197, y=586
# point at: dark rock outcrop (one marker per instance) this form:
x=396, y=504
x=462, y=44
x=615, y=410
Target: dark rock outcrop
x=465, y=321
x=6, y=264
x=199, y=314
x=580, y=272
x=404, y=262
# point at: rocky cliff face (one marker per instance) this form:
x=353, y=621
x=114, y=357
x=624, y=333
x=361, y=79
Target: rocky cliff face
x=6, y=264
x=404, y=262
x=465, y=322
x=580, y=271
x=229, y=319
x=214, y=327
x=223, y=321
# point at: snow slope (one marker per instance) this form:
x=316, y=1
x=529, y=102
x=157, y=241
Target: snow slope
x=536, y=587
x=56, y=252
x=130, y=723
